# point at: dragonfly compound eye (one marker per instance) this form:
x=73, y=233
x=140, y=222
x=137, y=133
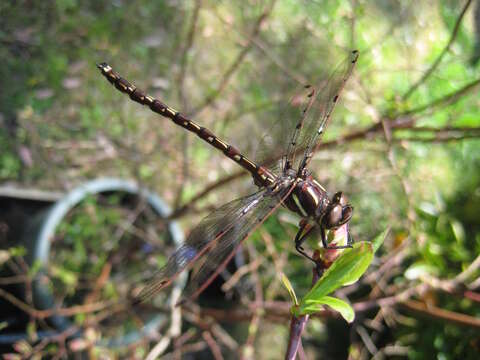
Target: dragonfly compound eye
x=334, y=217
x=347, y=213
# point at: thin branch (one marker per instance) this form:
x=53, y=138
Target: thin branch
x=442, y=54
x=263, y=48
x=353, y=23
x=181, y=95
x=299, y=78
x=236, y=63
x=297, y=324
x=212, y=344
x=442, y=314
x=440, y=139
x=241, y=272
x=469, y=271
x=42, y=314
x=16, y=279
x=248, y=350
x=439, y=135
x=207, y=190
x=185, y=49
x=367, y=340
x=445, y=100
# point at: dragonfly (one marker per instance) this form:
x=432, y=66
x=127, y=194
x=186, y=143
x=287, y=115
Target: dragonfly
x=214, y=241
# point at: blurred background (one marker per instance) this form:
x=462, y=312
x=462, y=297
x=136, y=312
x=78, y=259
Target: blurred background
x=403, y=144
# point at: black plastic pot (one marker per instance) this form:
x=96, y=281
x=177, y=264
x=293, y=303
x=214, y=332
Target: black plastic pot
x=40, y=232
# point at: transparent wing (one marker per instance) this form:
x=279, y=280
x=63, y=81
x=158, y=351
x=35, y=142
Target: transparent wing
x=321, y=107
x=212, y=241
x=301, y=120
x=244, y=223
x=278, y=142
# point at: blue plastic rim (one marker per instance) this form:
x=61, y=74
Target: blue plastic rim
x=54, y=216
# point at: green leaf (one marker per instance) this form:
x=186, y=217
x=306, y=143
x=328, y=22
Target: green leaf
x=68, y=277
x=378, y=241
x=32, y=331
x=289, y=287
x=314, y=306
x=17, y=251
x=345, y=270
x=419, y=269
x=341, y=306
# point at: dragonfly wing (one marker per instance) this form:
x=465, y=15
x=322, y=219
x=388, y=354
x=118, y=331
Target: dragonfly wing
x=219, y=230
x=278, y=142
x=302, y=120
x=323, y=103
x=245, y=222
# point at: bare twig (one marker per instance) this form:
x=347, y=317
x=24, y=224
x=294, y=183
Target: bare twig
x=185, y=49
x=367, y=340
x=353, y=18
x=225, y=338
x=263, y=48
x=299, y=78
x=248, y=348
x=212, y=344
x=241, y=271
x=442, y=54
x=236, y=63
x=445, y=100
x=181, y=95
x=16, y=279
x=42, y=314
x=297, y=324
x=469, y=271
x=442, y=314
x=440, y=139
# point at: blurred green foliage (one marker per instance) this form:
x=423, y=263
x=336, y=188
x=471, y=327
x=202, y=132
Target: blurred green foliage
x=61, y=122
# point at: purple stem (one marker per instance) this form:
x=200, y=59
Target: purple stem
x=297, y=324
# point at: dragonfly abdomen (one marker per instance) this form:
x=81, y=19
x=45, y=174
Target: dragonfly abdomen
x=261, y=175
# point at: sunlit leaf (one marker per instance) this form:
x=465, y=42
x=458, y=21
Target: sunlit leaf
x=378, y=241
x=345, y=270
x=289, y=287
x=336, y=304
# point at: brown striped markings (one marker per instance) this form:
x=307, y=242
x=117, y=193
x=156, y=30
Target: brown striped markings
x=261, y=175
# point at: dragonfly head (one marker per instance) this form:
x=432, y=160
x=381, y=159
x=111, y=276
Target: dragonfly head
x=338, y=213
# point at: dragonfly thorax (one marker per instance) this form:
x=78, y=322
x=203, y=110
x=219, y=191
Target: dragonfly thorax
x=309, y=199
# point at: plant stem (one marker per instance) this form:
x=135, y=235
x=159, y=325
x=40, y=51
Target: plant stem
x=297, y=324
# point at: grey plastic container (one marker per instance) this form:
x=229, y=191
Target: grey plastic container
x=41, y=230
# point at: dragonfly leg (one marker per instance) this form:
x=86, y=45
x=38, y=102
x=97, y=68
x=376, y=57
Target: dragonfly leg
x=349, y=239
x=301, y=237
